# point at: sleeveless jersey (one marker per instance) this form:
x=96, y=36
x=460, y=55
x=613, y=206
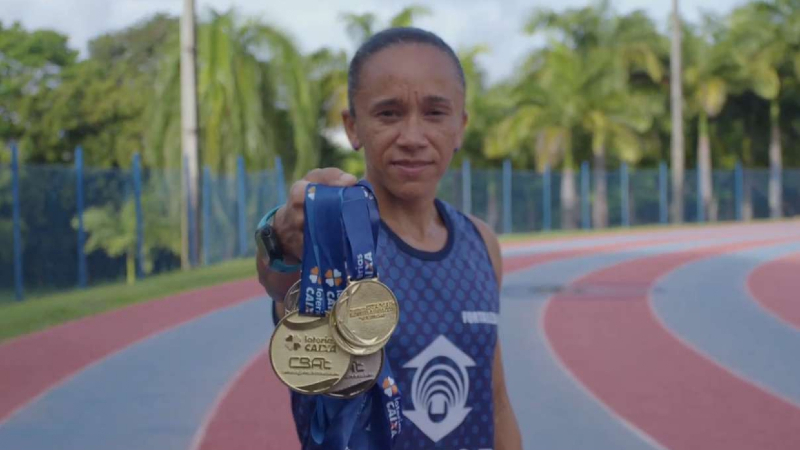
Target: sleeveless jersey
x=443, y=348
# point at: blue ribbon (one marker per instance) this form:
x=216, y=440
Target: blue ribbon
x=324, y=272
x=361, y=222
x=342, y=224
x=383, y=412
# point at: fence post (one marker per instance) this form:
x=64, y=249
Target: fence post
x=281, y=184
x=546, y=206
x=137, y=198
x=241, y=199
x=662, y=191
x=466, y=187
x=625, y=191
x=206, y=213
x=585, y=196
x=507, y=196
x=81, y=234
x=738, y=189
x=18, y=292
x=701, y=214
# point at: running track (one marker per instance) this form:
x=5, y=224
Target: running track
x=679, y=339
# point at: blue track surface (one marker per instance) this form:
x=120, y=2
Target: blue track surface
x=155, y=394
x=152, y=395
x=707, y=305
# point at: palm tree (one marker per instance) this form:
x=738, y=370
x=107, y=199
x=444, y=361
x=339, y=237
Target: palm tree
x=708, y=79
x=548, y=106
x=236, y=101
x=293, y=74
x=250, y=103
x=767, y=44
x=112, y=228
x=607, y=51
x=361, y=27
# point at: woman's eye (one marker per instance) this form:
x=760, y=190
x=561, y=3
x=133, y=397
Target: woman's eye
x=436, y=112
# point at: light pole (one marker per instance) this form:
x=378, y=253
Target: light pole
x=190, y=156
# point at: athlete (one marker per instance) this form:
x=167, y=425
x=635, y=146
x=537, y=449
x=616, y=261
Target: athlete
x=406, y=91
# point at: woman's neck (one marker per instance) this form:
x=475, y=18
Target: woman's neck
x=416, y=222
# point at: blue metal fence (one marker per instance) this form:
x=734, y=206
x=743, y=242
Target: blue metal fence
x=66, y=226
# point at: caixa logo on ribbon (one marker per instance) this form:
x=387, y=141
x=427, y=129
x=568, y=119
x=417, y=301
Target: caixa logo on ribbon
x=317, y=293
x=392, y=405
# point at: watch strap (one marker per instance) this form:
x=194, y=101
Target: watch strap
x=277, y=264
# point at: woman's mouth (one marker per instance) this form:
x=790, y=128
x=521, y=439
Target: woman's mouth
x=410, y=168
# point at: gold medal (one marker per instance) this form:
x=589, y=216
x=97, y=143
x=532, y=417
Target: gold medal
x=305, y=356
x=346, y=345
x=292, y=299
x=360, y=377
x=367, y=313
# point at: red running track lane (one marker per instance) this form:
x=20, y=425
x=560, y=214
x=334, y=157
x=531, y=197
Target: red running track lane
x=35, y=363
x=617, y=348
x=776, y=286
x=252, y=415
x=253, y=412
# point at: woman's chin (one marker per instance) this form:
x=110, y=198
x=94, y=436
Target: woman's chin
x=413, y=190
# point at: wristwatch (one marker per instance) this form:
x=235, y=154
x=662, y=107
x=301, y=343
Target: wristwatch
x=267, y=241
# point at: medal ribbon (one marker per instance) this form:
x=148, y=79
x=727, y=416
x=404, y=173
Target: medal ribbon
x=324, y=272
x=361, y=224
x=383, y=409
x=343, y=224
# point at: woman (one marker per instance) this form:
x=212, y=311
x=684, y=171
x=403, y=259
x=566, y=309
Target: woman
x=406, y=91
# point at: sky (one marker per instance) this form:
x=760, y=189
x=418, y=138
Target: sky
x=313, y=24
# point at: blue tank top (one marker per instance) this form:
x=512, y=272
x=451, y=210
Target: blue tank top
x=443, y=347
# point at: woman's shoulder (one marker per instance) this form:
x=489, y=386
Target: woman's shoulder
x=484, y=231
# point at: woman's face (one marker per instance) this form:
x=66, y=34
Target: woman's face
x=409, y=118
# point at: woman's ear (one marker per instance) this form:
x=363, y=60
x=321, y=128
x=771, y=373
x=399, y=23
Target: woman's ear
x=349, y=121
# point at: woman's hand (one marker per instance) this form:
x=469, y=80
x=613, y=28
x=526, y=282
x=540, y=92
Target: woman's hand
x=289, y=220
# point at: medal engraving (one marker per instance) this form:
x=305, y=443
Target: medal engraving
x=305, y=356
x=367, y=313
x=360, y=377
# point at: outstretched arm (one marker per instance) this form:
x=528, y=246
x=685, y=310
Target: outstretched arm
x=506, y=429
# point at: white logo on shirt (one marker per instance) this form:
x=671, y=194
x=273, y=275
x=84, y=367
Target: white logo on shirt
x=439, y=389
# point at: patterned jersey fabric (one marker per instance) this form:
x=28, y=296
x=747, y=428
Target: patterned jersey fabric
x=443, y=348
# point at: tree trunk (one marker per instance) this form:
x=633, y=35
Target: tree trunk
x=775, y=163
x=189, y=139
x=747, y=185
x=676, y=104
x=704, y=166
x=569, y=216
x=600, y=209
x=130, y=267
x=492, y=209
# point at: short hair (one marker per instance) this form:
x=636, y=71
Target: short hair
x=391, y=37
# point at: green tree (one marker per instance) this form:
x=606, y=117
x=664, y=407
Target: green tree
x=548, y=108
x=361, y=27
x=585, y=78
x=111, y=228
x=766, y=36
x=31, y=65
x=236, y=98
x=708, y=80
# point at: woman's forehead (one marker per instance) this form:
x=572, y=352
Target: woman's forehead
x=421, y=67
